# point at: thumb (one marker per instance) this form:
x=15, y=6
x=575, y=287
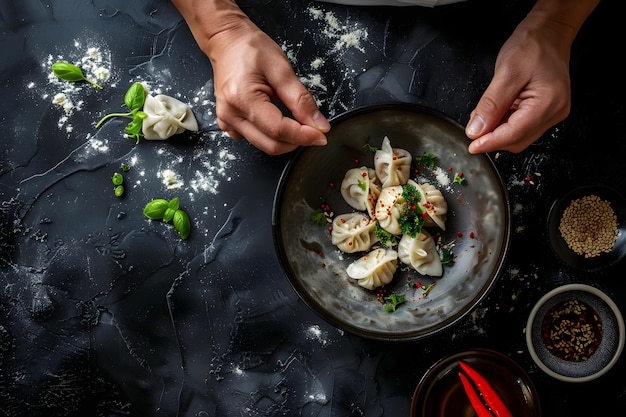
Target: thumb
x=495, y=103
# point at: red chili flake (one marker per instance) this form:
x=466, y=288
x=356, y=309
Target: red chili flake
x=527, y=178
x=459, y=234
x=342, y=220
x=331, y=185
x=450, y=169
x=399, y=168
x=424, y=215
x=356, y=161
x=323, y=265
x=471, y=235
x=330, y=229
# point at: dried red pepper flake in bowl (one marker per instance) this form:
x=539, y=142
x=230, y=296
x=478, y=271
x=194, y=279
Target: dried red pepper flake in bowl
x=575, y=333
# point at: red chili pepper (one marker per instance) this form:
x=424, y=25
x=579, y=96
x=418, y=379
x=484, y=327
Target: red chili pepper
x=477, y=403
x=491, y=397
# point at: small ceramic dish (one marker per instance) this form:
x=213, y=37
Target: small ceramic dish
x=440, y=392
x=561, y=248
x=575, y=333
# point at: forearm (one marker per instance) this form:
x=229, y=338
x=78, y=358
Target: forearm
x=568, y=15
x=207, y=18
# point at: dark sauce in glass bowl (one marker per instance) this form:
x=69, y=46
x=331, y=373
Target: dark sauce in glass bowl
x=572, y=330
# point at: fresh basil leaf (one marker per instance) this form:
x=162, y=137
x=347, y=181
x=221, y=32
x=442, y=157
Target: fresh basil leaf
x=182, y=224
x=174, y=203
x=155, y=210
x=169, y=214
x=135, y=97
x=69, y=72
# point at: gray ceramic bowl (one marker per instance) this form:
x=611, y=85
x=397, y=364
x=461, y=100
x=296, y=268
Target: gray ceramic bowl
x=605, y=355
x=317, y=269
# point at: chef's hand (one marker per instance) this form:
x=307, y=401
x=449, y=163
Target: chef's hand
x=250, y=72
x=530, y=89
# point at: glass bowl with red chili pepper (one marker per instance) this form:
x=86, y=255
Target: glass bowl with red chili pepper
x=476, y=382
x=575, y=333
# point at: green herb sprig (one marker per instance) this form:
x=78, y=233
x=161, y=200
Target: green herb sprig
x=458, y=178
x=411, y=219
x=319, y=218
x=134, y=99
x=392, y=301
x=69, y=72
x=426, y=159
x=161, y=209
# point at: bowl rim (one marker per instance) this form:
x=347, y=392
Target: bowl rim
x=602, y=296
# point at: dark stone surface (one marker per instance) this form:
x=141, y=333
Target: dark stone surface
x=105, y=313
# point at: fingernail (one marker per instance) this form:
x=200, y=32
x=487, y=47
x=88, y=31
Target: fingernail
x=321, y=142
x=475, y=126
x=321, y=122
x=475, y=146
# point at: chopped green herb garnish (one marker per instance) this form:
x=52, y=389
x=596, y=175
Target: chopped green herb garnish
x=426, y=159
x=369, y=148
x=458, y=178
x=319, y=218
x=392, y=301
x=447, y=258
x=362, y=185
x=125, y=167
x=384, y=237
x=411, y=220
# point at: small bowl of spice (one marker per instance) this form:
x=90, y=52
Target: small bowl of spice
x=575, y=333
x=587, y=227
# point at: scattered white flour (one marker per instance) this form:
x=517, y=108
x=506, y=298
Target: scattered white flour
x=95, y=64
x=345, y=36
x=171, y=180
x=215, y=170
x=314, y=332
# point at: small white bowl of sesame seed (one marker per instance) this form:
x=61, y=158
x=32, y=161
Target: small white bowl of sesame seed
x=575, y=333
x=587, y=227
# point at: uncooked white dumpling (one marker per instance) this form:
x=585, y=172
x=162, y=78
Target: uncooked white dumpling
x=388, y=209
x=421, y=254
x=359, y=189
x=434, y=203
x=165, y=117
x=375, y=269
x=392, y=165
x=353, y=232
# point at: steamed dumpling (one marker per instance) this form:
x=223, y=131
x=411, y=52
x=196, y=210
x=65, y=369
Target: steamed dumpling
x=421, y=254
x=392, y=165
x=353, y=232
x=375, y=269
x=165, y=117
x=434, y=203
x=359, y=189
x=389, y=209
